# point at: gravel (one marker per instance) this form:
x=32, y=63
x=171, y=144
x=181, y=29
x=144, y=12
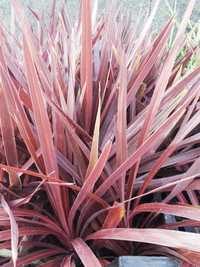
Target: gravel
x=133, y=5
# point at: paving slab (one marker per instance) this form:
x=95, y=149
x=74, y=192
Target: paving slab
x=144, y=261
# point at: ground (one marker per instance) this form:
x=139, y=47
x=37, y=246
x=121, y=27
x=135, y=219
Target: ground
x=133, y=5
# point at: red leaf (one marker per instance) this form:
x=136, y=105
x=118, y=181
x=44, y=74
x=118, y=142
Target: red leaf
x=67, y=262
x=90, y=182
x=121, y=124
x=38, y=255
x=169, y=238
x=85, y=253
x=114, y=216
x=86, y=61
x=29, y=231
x=13, y=229
x=94, y=153
x=8, y=135
x=189, y=211
x=137, y=155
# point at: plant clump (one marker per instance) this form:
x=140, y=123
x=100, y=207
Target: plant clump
x=99, y=138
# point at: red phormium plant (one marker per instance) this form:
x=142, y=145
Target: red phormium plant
x=99, y=140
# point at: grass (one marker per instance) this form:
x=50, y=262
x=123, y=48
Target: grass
x=99, y=138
